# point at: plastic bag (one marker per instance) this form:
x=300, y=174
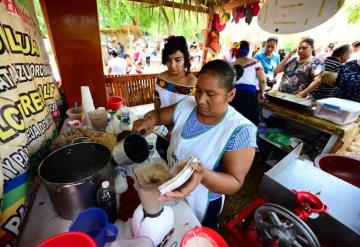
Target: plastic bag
x=279, y=138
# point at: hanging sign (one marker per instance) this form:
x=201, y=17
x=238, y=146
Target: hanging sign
x=29, y=102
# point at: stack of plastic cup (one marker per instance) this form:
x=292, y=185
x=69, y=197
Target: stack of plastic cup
x=87, y=104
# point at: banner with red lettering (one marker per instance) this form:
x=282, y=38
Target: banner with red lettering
x=29, y=103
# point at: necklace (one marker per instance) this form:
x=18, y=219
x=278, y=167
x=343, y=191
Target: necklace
x=306, y=60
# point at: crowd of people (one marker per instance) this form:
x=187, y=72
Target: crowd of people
x=333, y=72
x=121, y=63
x=139, y=60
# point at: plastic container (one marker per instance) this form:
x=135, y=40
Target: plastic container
x=98, y=119
x=121, y=184
x=151, y=140
x=115, y=102
x=202, y=236
x=339, y=111
x=343, y=167
x=94, y=222
x=106, y=199
x=148, y=177
x=69, y=239
x=75, y=115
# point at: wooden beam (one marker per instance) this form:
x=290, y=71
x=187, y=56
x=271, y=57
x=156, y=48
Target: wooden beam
x=236, y=3
x=175, y=5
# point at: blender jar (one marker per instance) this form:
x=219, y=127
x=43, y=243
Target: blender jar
x=148, y=177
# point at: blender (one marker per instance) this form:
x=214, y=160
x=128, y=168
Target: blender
x=151, y=218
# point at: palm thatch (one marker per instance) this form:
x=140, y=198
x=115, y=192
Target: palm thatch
x=185, y=7
x=125, y=29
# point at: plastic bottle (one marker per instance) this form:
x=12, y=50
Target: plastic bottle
x=125, y=116
x=106, y=199
x=120, y=180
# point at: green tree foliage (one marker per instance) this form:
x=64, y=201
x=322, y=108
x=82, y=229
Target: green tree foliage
x=288, y=46
x=353, y=14
x=40, y=17
x=152, y=20
x=115, y=13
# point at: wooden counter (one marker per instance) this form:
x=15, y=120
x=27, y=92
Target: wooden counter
x=344, y=133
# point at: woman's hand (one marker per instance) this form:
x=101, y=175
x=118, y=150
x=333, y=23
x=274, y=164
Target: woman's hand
x=144, y=126
x=261, y=97
x=181, y=192
x=281, y=65
x=301, y=94
x=292, y=52
x=270, y=82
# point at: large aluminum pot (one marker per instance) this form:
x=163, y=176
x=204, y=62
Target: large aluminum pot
x=73, y=174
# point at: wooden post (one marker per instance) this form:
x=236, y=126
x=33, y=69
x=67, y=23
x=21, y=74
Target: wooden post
x=73, y=29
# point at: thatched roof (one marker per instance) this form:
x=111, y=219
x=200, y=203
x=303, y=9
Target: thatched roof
x=195, y=5
x=125, y=29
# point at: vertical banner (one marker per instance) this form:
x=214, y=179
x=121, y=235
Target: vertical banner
x=29, y=102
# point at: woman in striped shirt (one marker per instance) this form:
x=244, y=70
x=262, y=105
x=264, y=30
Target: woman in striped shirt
x=327, y=88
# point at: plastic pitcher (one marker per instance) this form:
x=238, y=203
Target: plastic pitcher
x=94, y=222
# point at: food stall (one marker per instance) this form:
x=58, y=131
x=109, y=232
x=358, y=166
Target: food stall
x=30, y=117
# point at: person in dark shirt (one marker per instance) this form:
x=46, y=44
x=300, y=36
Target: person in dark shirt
x=348, y=81
x=327, y=88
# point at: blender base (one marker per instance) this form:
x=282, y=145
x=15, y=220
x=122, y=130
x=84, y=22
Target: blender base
x=154, y=228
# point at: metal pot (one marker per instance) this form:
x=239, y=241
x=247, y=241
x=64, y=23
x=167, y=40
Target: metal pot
x=73, y=174
x=131, y=149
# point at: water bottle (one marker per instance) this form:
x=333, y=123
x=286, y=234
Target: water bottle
x=120, y=180
x=106, y=199
x=125, y=116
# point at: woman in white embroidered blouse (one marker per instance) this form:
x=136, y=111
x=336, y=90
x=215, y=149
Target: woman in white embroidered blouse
x=176, y=82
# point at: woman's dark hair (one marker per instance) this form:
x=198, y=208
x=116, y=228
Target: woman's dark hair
x=239, y=71
x=275, y=39
x=173, y=44
x=244, y=48
x=114, y=53
x=341, y=50
x=311, y=43
x=224, y=72
x=356, y=44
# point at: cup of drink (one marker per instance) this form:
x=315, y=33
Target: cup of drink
x=75, y=113
x=98, y=119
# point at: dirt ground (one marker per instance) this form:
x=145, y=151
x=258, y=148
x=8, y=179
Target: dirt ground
x=236, y=203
